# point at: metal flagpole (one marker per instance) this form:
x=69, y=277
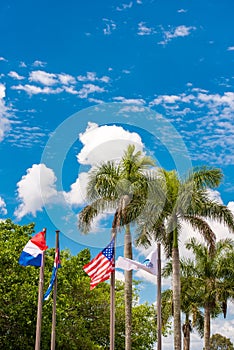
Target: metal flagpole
x=159, y=310
x=112, y=305
x=53, y=331
x=40, y=300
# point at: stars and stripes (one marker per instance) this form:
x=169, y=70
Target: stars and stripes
x=100, y=268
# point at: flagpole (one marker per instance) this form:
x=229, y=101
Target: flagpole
x=40, y=300
x=112, y=305
x=159, y=311
x=53, y=330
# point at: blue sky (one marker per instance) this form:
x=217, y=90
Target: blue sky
x=159, y=73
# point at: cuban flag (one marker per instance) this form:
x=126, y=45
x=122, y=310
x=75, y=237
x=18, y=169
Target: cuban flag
x=32, y=252
x=57, y=264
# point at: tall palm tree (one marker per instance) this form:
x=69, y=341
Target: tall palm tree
x=178, y=200
x=214, y=276
x=121, y=187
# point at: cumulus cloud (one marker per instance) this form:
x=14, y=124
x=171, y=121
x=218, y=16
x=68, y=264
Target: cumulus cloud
x=3, y=209
x=92, y=76
x=43, y=77
x=35, y=189
x=15, y=75
x=230, y=48
x=35, y=90
x=4, y=113
x=88, y=89
x=77, y=194
x=66, y=79
x=38, y=63
x=101, y=143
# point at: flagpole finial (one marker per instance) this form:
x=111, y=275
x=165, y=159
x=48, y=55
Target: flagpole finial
x=44, y=229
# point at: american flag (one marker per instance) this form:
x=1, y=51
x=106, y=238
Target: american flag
x=100, y=268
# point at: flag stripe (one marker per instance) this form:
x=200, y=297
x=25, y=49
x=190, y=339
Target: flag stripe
x=32, y=249
x=27, y=259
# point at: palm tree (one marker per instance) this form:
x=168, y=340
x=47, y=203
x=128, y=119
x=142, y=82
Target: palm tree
x=121, y=187
x=190, y=300
x=214, y=275
x=175, y=201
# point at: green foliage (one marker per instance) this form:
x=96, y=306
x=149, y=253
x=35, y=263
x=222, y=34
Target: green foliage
x=83, y=316
x=219, y=342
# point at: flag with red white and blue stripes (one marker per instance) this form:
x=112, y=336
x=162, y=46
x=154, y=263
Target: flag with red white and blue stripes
x=57, y=264
x=32, y=252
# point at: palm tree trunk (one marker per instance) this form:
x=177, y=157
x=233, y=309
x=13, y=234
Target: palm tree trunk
x=207, y=327
x=128, y=289
x=176, y=291
x=186, y=334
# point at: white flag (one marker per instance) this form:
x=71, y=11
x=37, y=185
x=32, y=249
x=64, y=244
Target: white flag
x=149, y=264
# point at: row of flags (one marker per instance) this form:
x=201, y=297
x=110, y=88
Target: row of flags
x=99, y=269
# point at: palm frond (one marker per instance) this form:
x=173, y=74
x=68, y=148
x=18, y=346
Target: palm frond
x=91, y=211
x=200, y=225
x=203, y=177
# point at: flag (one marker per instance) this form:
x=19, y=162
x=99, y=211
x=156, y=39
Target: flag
x=100, y=268
x=54, y=273
x=149, y=264
x=32, y=252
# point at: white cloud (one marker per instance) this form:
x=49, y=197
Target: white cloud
x=105, y=142
x=182, y=11
x=180, y=31
x=130, y=101
x=43, y=77
x=3, y=209
x=15, y=75
x=35, y=189
x=70, y=90
x=35, y=90
x=77, y=194
x=22, y=64
x=88, y=89
x=92, y=76
x=230, y=48
x=144, y=30
x=38, y=63
x=193, y=112
x=4, y=113
x=3, y=59
x=66, y=79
